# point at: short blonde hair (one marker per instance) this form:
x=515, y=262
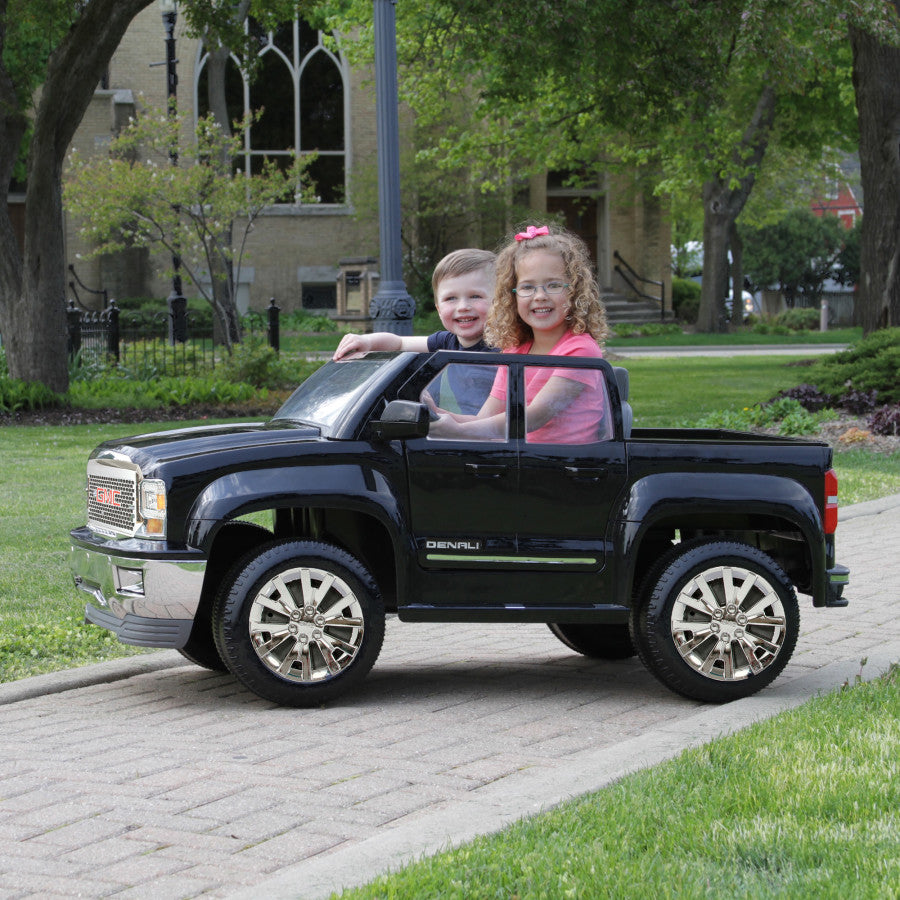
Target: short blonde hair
x=461, y=262
x=505, y=329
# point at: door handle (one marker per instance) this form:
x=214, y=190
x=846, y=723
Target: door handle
x=483, y=471
x=586, y=473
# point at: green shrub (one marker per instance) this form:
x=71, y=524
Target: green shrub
x=157, y=393
x=648, y=329
x=300, y=320
x=198, y=308
x=784, y=415
x=16, y=395
x=88, y=366
x=686, y=299
x=427, y=320
x=870, y=364
x=799, y=319
x=769, y=328
x=253, y=361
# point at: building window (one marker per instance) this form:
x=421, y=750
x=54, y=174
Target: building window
x=300, y=87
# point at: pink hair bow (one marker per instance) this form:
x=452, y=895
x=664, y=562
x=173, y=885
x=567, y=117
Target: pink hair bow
x=532, y=232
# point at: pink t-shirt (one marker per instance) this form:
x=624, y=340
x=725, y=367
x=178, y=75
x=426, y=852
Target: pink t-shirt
x=579, y=422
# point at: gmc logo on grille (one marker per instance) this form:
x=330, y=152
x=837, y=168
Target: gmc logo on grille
x=107, y=496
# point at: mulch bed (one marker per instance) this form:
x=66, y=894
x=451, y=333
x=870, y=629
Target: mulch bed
x=172, y=414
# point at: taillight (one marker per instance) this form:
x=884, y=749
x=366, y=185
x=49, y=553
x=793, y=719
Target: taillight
x=831, y=501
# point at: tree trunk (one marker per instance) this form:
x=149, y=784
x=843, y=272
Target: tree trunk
x=876, y=79
x=12, y=129
x=32, y=303
x=722, y=204
x=717, y=221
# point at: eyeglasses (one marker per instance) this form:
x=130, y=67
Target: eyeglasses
x=551, y=289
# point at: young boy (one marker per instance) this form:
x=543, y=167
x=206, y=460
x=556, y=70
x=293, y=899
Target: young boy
x=463, y=285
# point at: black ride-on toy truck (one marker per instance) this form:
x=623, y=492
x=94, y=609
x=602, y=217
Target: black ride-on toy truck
x=274, y=550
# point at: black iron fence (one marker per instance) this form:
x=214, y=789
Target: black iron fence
x=175, y=342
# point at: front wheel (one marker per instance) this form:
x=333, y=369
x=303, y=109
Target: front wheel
x=717, y=621
x=299, y=622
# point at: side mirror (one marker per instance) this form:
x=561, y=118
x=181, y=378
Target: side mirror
x=402, y=419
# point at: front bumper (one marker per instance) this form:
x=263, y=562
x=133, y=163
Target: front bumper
x=146, y=592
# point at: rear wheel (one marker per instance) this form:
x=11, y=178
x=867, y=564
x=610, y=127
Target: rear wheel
x=299, y=622
x=595, y=641
x=717, y=621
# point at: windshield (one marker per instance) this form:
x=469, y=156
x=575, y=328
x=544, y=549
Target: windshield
x=332, y=391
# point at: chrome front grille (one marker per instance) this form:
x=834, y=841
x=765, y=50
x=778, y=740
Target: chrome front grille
x=111, y=497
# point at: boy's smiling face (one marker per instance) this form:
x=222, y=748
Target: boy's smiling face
x=463, y=303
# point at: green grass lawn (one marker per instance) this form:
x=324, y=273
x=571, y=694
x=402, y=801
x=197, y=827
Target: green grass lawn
x=42, y=481
x=741, y=337
x=803, y=806
x=324, y=341
x=667, y=391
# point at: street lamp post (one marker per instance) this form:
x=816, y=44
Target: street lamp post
x=176, y=302
x=392, y=307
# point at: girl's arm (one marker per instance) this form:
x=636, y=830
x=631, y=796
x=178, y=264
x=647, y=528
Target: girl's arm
x=552, y=399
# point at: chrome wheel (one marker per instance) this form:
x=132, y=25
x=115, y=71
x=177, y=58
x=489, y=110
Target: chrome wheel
x=299, y=622
x=728, y=623
x=716, y=620
x=306, y=624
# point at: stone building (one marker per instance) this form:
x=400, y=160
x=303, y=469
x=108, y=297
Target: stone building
x=313, y=99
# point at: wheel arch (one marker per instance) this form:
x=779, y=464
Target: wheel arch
x=349, y=506
x=772, y=513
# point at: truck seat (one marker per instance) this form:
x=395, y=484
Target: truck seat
x=627, y=413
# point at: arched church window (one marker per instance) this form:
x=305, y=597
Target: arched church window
x=298, y=88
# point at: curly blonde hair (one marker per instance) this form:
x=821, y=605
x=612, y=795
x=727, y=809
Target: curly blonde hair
x=504, y=327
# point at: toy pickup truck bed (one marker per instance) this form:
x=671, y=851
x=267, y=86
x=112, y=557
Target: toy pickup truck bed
x=686, y=547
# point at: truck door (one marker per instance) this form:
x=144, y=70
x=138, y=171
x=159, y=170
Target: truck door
x=518, y=520
x=463, y=488
x=571, y=469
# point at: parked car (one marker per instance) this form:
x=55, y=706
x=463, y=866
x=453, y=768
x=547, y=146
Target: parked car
x=751, y=305
x=685, y=546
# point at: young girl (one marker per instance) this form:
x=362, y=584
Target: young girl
x=546, y=301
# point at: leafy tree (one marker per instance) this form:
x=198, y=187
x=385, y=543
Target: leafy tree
x=136, y=198
x=77, y=43
x=876, y=78
x=797, y=254
x=695, y=96
x=63, y=47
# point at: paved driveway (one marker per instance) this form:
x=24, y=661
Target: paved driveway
x=150, y=778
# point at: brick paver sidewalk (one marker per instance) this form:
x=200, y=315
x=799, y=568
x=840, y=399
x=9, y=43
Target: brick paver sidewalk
x=176, y=782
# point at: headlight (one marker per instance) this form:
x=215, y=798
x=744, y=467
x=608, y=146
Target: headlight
x=152, y=507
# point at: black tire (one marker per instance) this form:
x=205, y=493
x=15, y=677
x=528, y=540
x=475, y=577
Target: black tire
x=716, y=620
x=595, y=641
x=299, y=622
